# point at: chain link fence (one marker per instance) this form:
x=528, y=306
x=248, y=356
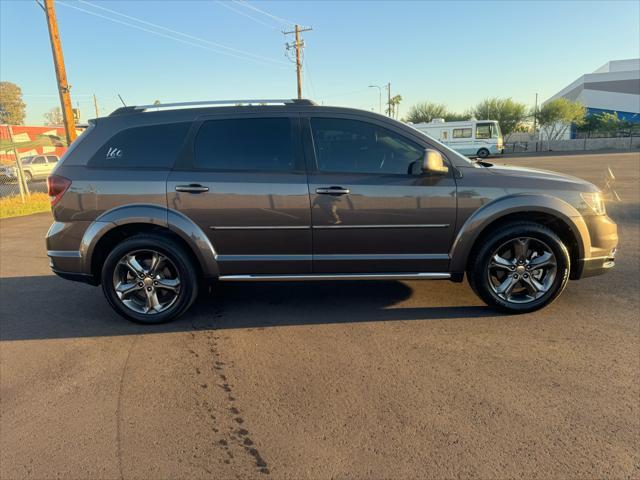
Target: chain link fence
x=583, y=141
x=28, y=154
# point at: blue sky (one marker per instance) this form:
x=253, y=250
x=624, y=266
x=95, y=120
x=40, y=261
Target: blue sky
x=456, y=53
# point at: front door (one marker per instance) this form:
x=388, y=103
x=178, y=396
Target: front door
x=373, y=209
x=245, y=185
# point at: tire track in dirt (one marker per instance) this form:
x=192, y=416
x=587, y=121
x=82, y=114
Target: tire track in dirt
x=234, y=435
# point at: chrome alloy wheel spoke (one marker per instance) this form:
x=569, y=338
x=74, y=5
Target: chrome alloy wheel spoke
x=522, y=270
x=146, y=282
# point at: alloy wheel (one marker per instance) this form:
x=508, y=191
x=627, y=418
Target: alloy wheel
x=146, y=281
x=522, y=270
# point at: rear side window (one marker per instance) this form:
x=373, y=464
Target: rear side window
x=461, y=133
x=261, y=144
x=154, y=146
x=52, y=159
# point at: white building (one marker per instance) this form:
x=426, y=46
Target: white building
x=614, y=87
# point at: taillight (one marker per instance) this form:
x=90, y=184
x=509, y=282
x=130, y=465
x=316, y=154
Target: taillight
x=57, y=185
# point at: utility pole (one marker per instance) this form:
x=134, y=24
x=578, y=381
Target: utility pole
x=389, y=98
x=61, y=74
x=298, y=45
x=535, y=115
x=379, y=97
x=95, y=105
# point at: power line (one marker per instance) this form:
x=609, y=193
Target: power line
x=228, y=7
x=155, y=25
x=171, y=37
x=278, y=19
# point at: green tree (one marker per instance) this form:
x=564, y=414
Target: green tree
x=12, y=108
x=394, y=106
x=427, y=111
x=556, y=116
x=508, y=113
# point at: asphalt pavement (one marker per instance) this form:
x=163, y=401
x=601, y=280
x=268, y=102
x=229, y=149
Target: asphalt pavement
x=324, y=380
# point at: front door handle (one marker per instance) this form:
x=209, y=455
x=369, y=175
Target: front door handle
x=192, y=188
x=333, y=191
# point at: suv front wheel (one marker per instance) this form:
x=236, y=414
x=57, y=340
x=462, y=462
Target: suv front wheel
x=521, y=268
x=149, y=279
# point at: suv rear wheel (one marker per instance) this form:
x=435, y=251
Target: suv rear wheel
x=521, y=268
x=149, y=279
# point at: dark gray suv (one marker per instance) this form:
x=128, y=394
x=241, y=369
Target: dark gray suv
x=151, y=202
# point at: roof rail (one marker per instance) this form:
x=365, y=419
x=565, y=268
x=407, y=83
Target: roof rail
x=204, y=103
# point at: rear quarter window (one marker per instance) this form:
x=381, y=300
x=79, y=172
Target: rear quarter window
x=152, y=147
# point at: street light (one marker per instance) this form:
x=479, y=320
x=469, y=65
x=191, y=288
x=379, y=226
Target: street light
x=379, y=95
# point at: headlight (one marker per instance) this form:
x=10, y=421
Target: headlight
x=595, y=201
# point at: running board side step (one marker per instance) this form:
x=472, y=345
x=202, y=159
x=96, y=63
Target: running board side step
x=333, y=276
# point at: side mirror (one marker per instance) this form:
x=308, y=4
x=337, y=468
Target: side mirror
x=433, y=163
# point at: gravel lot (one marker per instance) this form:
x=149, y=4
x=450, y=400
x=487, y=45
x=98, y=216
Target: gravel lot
x=324, y=380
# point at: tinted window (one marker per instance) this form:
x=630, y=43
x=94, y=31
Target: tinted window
x=52, y=159
x=353, y=146
x=38, y=161
x=155, y=146
x=461, y=133
x=245, y=144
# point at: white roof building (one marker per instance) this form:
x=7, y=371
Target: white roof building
x=614, y=87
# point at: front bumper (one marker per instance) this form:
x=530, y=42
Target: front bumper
x=590, y=267
x=603, y=234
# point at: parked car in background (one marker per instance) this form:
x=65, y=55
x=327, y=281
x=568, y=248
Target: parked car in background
x=38, y=167
x=7, y=173
x=480, y=138
x=153, y=201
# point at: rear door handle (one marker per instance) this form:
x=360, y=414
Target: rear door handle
x=192, y=188
x=333, y=191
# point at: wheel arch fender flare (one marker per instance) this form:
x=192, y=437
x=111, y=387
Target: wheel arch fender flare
x=476, y=224
x=155, y=215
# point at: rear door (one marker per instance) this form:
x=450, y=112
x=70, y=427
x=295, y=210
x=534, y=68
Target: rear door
x=244, y=183
x=372, y=210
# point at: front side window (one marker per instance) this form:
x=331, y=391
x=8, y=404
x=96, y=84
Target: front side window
x=487, y=130
x=483, y=130
x=343, y=145
x=261, y=144
x=462, y=133
x=153, y=146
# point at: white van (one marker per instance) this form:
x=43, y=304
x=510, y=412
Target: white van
x=470, y=137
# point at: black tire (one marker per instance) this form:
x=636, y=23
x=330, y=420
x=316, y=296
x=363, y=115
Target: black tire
x=28, y=177
x=479, y=267
x=178, y=258
x=483, y=153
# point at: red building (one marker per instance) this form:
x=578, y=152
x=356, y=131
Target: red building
x=31, y=140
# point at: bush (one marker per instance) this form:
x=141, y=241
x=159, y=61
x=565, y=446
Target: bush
x=12, y=206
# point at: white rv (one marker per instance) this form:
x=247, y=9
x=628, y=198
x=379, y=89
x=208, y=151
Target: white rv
x=470, y=137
